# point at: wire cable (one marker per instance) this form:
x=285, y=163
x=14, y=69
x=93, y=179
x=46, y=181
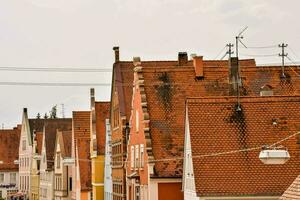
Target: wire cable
x=259, y=55
x=55, y=69
x=220, y=53
x=273, y=145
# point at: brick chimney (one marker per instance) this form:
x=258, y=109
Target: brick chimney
x=117, y=54
x=25, y=110
x=198, y=66
x=92, y=94
x=233, y=72
x=182, y=58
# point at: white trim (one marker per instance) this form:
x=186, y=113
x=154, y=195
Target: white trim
x=98, y=184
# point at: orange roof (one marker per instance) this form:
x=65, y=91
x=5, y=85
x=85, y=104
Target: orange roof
x=65, y=141
x=9, y=148
x=39, y=141
x=167, y=86
x=102, y=113
x=216, y=126
x=81, y=129
x=293, y=192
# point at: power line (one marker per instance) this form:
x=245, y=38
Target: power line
x=52, y=84
x=55, y=69
x=261, y=47
x=273, y=145
x=259, y=55
x=220, y=52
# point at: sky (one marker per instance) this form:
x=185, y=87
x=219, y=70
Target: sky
x=81, y=34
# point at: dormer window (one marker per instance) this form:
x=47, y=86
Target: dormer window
x=266, y=90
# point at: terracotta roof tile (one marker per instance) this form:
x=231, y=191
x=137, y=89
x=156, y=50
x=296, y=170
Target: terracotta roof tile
x=9, y=143
x=167, y=85
x=65, y=138
x=39, y=141
x=81, y=129
x=216, y=126
x=102, y=113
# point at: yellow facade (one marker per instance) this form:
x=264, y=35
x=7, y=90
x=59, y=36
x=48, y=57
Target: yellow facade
x=98, y=177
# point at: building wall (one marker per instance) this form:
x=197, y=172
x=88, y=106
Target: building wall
x=98, y=177
x=108, y=170
x=25, y=156
x=8, y=186
x=136, y=153
x=159, y=189
x=34, y=176
x=118, y=125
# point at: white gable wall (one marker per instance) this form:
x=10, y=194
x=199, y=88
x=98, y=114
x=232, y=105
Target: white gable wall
x=188, y=171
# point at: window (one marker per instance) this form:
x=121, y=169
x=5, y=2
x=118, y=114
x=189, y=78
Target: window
x=132, y=157
x=116, y=117
x=1, y=178
x=13, y=178
x=137, y=192
x=136, y=156
x=58, y=160
x=70, y=183
x=137, y=121
x=142, y=155
x=24, y=145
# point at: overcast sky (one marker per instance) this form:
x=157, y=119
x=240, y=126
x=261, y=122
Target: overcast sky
x=81, y=33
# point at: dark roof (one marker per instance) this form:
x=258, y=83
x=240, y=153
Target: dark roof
x=51, y=127
x=36, y=125
x=9, y=143
x=216, y=126
x=65, y=140
x=39, y=142
x=102, y=113
x=167, y=85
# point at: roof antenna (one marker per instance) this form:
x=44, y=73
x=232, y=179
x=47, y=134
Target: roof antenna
x=282, y=55
x=237, y=40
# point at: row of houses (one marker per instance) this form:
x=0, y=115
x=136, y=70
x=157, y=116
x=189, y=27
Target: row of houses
x=183, y=129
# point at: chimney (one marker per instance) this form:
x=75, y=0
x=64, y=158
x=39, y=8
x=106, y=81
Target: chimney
x=233, y=72
x=25, y=110
x=92, y=93
x=136, y=61
x=117, y=54
x=182, y=58
x=198, y=66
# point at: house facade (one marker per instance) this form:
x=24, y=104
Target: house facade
x=99, y=114
x=47, y=178
x=121, y=94
x=62, y=179
x=35, y=166
x=29, y=126
x=108, y=169
x=9, y=180
x=223, y=140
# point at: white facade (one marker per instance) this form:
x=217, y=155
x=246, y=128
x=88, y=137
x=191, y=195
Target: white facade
x=107, y=169
x=188, y=182
x=25, y=155
x=46, y=177
x=9, y=181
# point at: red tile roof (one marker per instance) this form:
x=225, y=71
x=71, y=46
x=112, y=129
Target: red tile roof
x=9, y=143
x=167, y=86
x=215, y=126
x=51, y=127
x=39, y=142
x=102, y=113
x=81, y=129
x=65, y=141
x=293, y=192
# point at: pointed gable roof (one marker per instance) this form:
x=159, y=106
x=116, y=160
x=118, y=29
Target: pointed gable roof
x=215, y=126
